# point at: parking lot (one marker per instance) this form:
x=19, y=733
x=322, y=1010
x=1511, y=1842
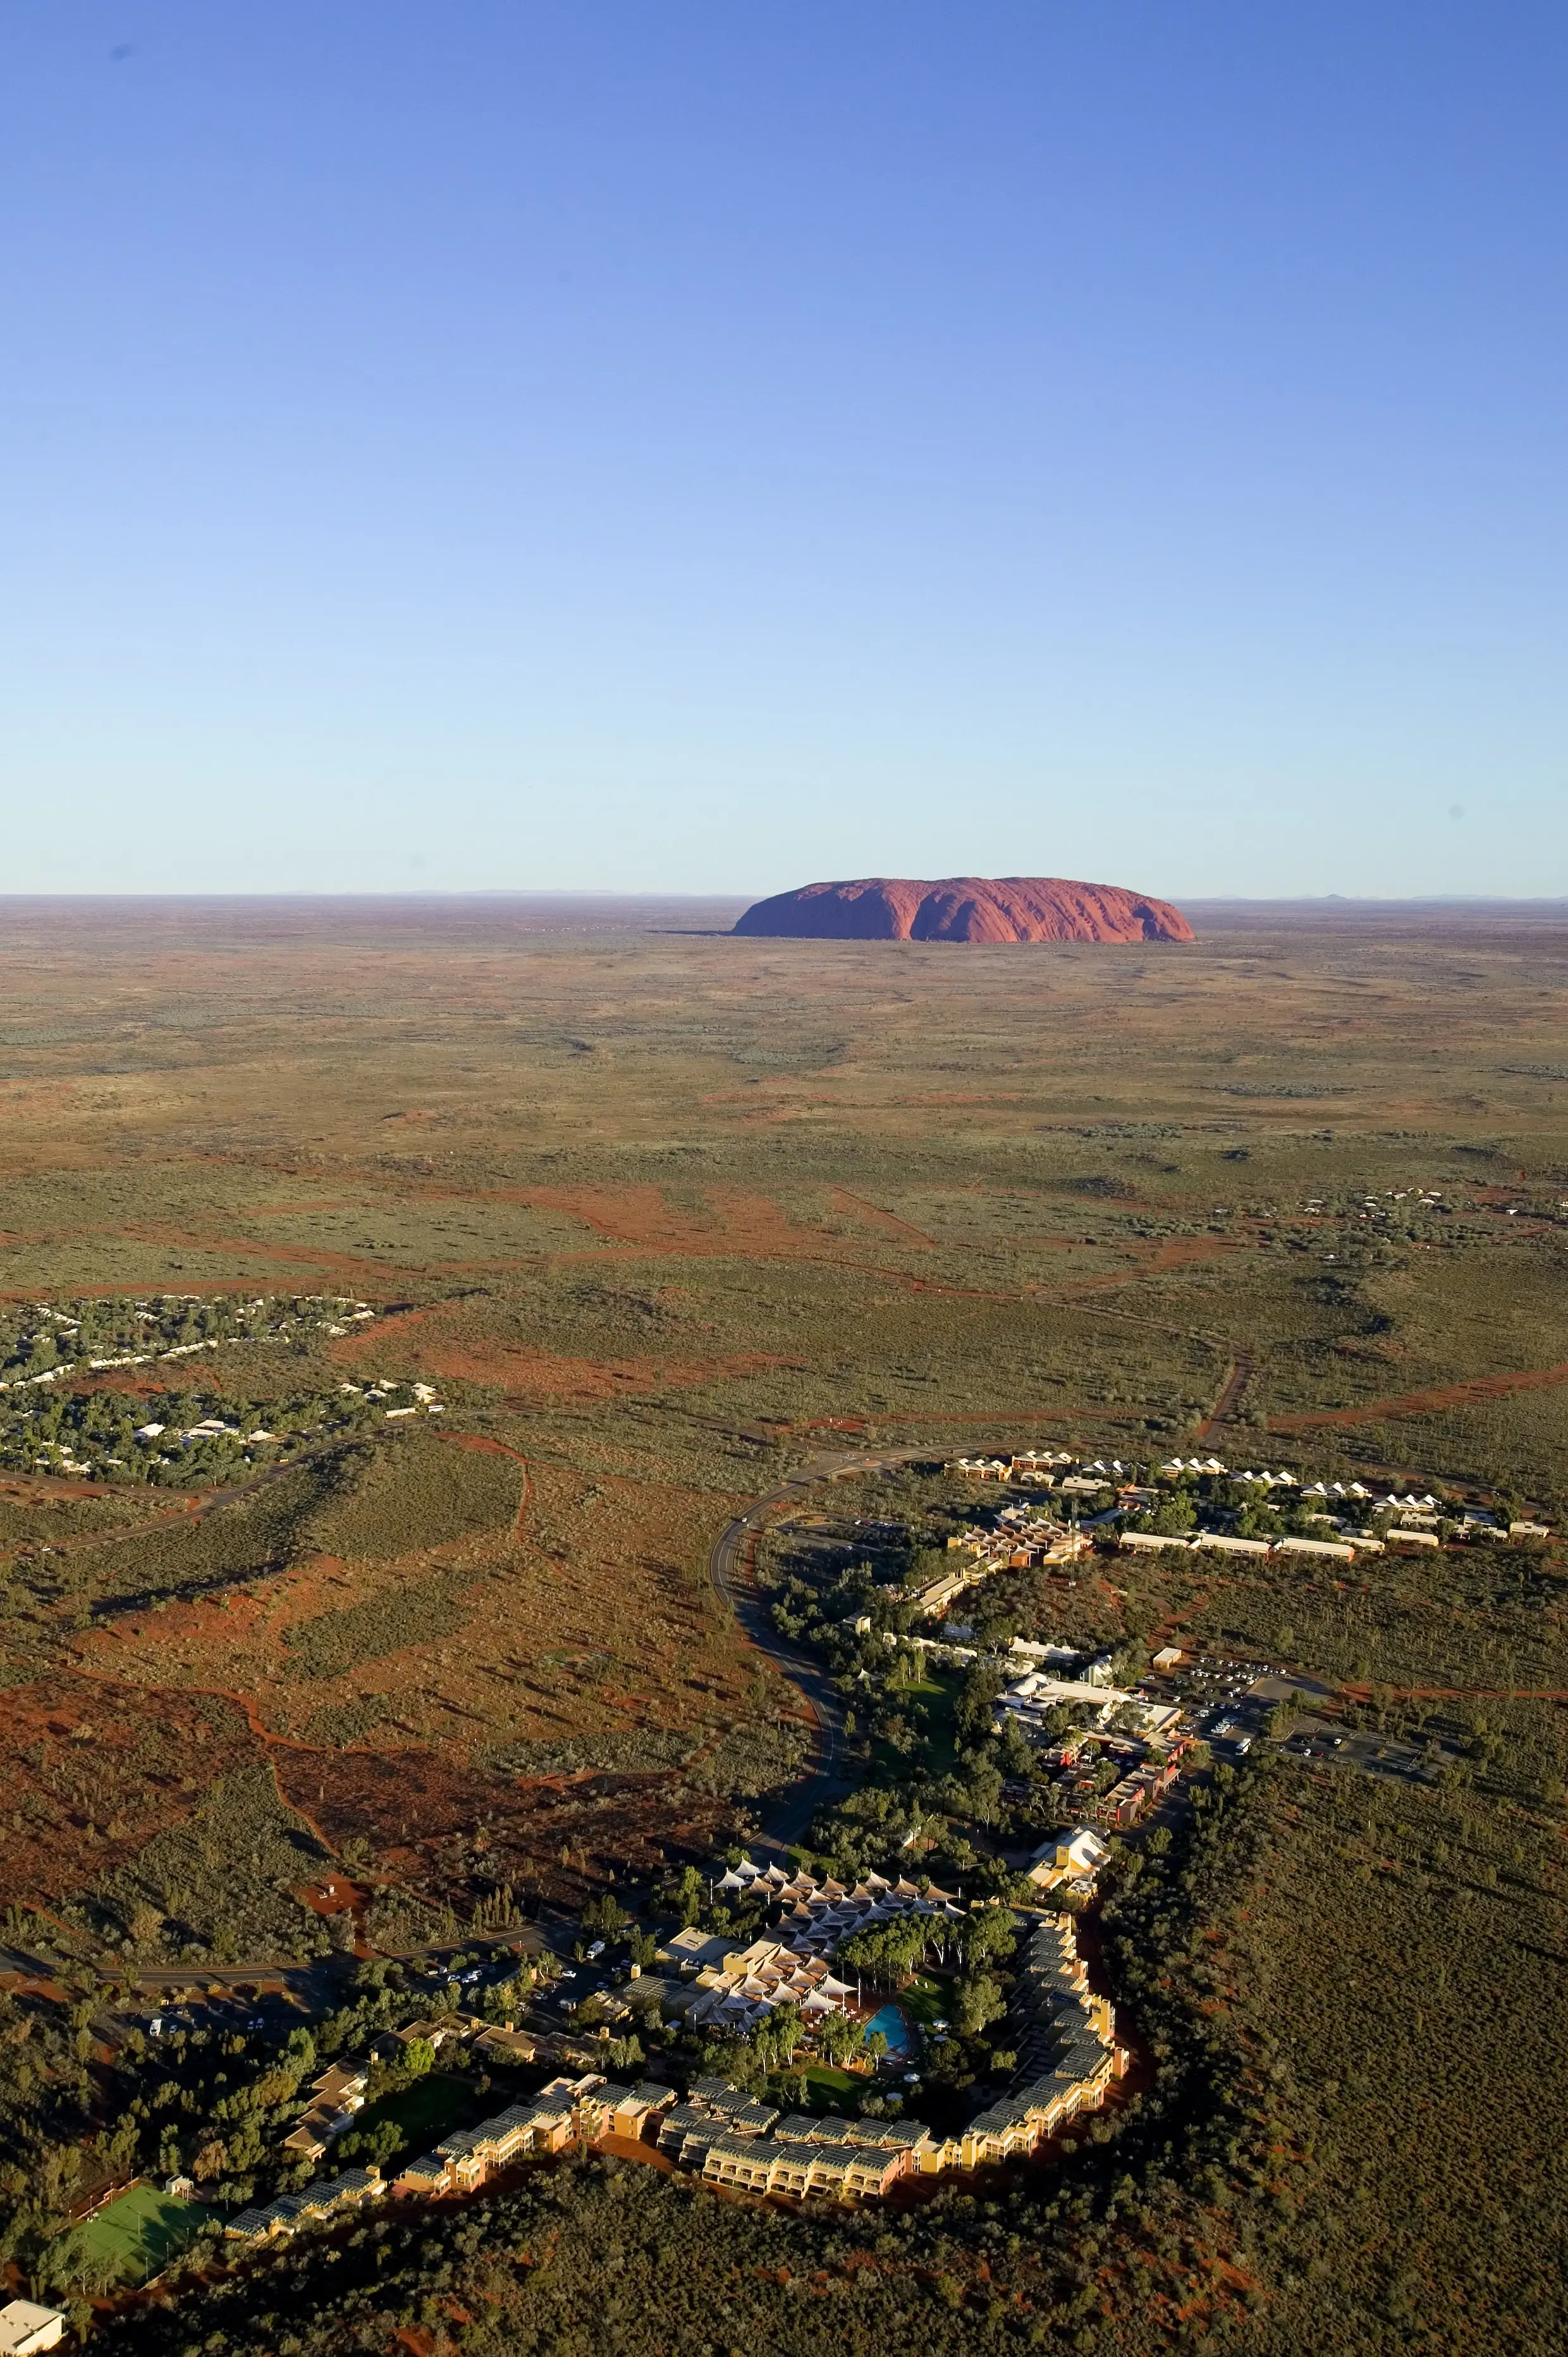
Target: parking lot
x=1232, y=1704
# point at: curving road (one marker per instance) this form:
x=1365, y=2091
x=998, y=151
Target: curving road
x=730, y=1569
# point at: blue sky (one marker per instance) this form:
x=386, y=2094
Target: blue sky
x=710, y=447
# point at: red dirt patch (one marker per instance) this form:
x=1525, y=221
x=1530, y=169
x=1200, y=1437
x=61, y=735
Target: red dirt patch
x=737, y=1223
x=122, y=1378
x=367, y=1342
x=90, y=1774
x=637, y=2148
x=334, y=1895
x=40, y=1489
x=543, y=1375
x=560, y=1835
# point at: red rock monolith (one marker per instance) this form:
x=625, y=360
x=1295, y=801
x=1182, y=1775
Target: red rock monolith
x=966, y=909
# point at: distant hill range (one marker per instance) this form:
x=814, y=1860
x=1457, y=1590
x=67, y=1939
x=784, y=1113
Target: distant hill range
x=966, y=909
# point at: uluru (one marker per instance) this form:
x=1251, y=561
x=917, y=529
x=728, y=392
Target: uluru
x=965, y=909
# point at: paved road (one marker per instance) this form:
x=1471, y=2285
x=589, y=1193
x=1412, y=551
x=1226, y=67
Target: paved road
x=319, y=1981
x=729, y=1567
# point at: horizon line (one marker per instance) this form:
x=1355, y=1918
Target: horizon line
x=595, y=892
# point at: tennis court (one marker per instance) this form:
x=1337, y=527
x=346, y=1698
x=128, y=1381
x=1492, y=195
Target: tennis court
x=145, y=2229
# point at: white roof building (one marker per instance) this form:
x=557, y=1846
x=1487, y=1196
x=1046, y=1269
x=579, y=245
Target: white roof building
x=751, y=1984
x=25, y=2326
x=817, y=1915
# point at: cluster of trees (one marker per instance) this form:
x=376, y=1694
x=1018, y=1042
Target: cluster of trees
x=824, y=1613
x=963, y=1811
x=99, y=1426
x=99, y=1429
x=603, y=2255
x=32, y=1336
x=215, y=2104
x=212, y=2103
x=891, y=1952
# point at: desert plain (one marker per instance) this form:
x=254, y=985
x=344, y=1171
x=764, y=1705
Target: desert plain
x=659, y=1214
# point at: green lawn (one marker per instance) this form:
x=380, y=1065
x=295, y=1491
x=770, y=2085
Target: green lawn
x=423, y=2112
x=145, y=2229
x=826, y=2089
x=936, y=1694
x=926, y=2001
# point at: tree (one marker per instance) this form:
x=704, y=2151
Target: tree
x=890, y=1950
x=1017, y=1759
x=776, y=2038
x=379, y=2143
x=994, y=1878
x=147, y=1922
x=976, y=1704
x=299, y=2052
x=606, y=1915
x=989, y=1931
x=839, y=2037
x=1171, y=1517
x=74, y=2263
x=977, y=2000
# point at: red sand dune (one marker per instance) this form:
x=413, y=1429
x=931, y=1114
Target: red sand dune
x=966, y=909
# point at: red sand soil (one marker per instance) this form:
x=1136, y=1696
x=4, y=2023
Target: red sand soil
x=535, y=1374
x=1483, y=1387
x=472, y=1357
x=736, y=1221
x=547, y=1833
x=966, y=909
x=333, y=1895
x=92, y=1780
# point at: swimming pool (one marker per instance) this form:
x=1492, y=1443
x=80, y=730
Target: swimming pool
x=894, y=2027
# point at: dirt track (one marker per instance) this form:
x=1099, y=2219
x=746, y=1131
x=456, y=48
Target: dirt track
x=1426, y=1403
